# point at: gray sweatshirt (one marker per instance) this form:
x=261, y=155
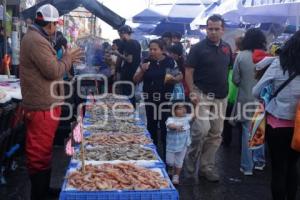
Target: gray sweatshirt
x=284, y=105
x=243, y=78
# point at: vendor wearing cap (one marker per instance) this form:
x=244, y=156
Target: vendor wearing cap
x=130, y=54
x=39, y=72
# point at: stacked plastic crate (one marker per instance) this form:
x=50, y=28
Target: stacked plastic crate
x=157, y=165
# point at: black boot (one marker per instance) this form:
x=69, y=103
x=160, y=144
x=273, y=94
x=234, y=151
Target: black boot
x=40, y=184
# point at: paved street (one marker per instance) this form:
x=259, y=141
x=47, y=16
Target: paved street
x=233, y=185
x=214, y=55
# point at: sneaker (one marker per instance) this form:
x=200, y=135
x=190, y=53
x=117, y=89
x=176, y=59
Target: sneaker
x=259, y=166
x=210, y=176
x=246, y=173
x=175, y=180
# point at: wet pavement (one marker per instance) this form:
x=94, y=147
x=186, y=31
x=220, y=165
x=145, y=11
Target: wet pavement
x=232, y=186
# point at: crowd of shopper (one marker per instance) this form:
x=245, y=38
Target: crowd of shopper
x=186, y=98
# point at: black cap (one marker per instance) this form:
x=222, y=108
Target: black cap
x=125, y=29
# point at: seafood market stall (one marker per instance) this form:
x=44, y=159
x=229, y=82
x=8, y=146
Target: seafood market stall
x=11, y=123
x=113, y=156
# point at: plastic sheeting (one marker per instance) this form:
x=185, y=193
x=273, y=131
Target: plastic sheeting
x=221, y=8
x=165, y=26
x=185, y=11
x=277, y=13
x=272, y=13
x=154, y=14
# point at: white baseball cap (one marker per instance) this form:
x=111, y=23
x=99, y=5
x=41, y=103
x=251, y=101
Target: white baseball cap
x=49, y=13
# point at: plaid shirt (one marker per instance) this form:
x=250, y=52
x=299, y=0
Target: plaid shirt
x=178, y=140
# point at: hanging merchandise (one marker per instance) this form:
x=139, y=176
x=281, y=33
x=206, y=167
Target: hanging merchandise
x=15, y=47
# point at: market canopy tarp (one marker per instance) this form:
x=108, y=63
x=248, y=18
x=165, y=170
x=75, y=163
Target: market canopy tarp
x=153, y=14
x=66, y=6
x=279, y=13
x=166, y=26
x=221, y=8
x=185, y=11
x=144, y=28
x=270, y=13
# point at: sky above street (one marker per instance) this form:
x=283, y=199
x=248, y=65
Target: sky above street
x=125, y=9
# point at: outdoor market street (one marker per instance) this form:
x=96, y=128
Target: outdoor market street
x=118, y=99
x=233, y=185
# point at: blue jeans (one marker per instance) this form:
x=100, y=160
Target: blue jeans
x=249, y=157
x=259, y=156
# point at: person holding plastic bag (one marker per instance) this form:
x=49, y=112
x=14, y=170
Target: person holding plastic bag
x=283, y=75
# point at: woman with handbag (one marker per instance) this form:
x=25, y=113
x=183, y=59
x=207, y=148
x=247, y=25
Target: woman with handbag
x=283, y=77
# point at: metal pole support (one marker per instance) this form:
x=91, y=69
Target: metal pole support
x=4, y=27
